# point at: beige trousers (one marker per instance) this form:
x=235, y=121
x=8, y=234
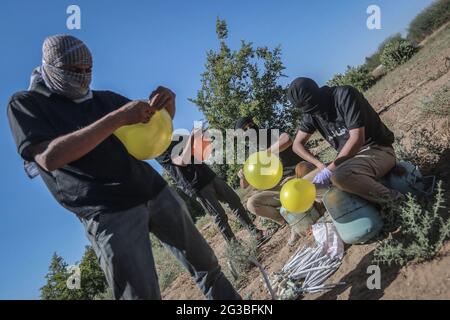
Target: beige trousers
x=357, y=175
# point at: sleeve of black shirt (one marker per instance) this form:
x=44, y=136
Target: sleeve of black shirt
x=28, y=124
x=307, y=124
x=351, y=104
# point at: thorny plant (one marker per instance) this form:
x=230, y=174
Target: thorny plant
x=422, y=229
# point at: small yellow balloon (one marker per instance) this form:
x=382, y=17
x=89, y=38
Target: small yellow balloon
x=297, y=195
x=263, y=171
x=149, y=140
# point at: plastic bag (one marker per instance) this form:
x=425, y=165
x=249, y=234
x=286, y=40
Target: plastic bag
x=326, y=235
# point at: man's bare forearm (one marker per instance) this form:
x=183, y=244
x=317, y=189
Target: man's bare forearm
x=281, y=144
x=349, y=150
x=73, y=146
x=351, y=147
x=306, y=155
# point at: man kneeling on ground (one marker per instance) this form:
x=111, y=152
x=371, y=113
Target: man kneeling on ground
x=352, y=127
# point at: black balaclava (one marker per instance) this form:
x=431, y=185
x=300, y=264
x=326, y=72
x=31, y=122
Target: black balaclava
x=304, y=93
x=242, y=122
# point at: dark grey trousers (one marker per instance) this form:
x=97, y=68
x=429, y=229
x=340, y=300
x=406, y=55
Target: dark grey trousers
x=212, y=195
x=122, y=244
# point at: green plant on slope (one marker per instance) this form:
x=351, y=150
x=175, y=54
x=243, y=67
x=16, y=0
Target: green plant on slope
x=423, y=228
x=358, y=77
x=438, y=103
x=429, y=20
x=396, y=53
x=373, y=61
x=426, y=147
x=238, y=256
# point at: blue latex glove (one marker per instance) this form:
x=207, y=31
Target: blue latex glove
x=323, y=177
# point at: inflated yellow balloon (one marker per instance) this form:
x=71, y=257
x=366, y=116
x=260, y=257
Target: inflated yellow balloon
x=263, y=171
x=297, y=195
x=149, y=140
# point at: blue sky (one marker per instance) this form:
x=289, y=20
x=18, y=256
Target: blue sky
x=138, y=45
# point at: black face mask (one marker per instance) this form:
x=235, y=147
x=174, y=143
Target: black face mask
x=304, y=93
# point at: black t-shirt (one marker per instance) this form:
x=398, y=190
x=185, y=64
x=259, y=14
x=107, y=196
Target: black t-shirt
x=190, y=178
x=107, y=179
x=349, y=110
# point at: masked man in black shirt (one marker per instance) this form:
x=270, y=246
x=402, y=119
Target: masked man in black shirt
x=67, y=131
x=352, y=127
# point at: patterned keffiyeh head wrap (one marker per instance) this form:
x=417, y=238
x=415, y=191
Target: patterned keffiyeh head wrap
x=60, y=51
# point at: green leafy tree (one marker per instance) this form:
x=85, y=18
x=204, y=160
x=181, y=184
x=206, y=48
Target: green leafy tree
x=243, y=82
x=56, y=287
x=92, y=280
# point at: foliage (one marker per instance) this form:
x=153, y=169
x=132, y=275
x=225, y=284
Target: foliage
x=358, y=77
x=237, y=255
x=425, y=149
x=93, y=282
x=429, y=20
x=438, y=103
x=396, y=53
x=268, y=224
x=243, y=82
x=373, y=61
x=423, y=230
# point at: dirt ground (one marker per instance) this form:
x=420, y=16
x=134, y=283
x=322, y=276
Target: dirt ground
x=398, y=97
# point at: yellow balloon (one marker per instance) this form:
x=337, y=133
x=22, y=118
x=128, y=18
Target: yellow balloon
x=263, y=171
x=149, y=140
x=297, y=195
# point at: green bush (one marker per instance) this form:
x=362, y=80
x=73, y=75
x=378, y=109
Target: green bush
x=238, y=256
x=373, y=61
x=423, y=228
x=430, y=19
x=438, y=103
x=358, y=77
x=396, y=53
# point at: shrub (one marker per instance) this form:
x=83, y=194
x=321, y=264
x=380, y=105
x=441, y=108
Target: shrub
x=425, y=149
x=423, y=230
x=358, y=77
x=238, y=256
x=373, y=61
x=396, y=53
x=438, y=103
x=430, y=19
